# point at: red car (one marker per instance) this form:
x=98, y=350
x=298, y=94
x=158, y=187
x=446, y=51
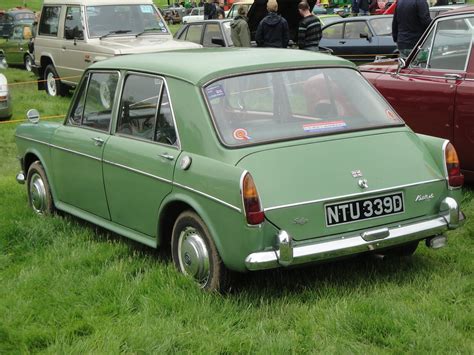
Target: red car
x=433, y=90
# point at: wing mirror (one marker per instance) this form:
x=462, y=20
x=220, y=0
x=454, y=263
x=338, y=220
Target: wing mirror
x=367, y=36
x=33, y=116
x=218, y=41
x=401, y=64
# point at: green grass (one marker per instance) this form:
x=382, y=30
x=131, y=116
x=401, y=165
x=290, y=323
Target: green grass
x=68, y=287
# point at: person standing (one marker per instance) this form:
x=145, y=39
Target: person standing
x=410, y=20
x=309, y=29
x=272, y=31
x=209, y=10
x=239, y=29
x=364, y=7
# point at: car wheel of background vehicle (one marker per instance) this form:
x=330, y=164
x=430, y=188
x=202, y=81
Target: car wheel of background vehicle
x=195, y=254
x=28, y=63
x=402, y=250
x=39, y=193
x=53, y=85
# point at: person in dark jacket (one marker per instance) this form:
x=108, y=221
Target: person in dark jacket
x=410, y=20
x=309, y=29
x=364, y=7
x=210, y=10
x=272, y=31
x=239, y=29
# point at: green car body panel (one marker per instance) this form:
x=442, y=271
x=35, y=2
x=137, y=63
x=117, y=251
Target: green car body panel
x=122, y=185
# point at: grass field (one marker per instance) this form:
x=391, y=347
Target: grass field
x=68, y=287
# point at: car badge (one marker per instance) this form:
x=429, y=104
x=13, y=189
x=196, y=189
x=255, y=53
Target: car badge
x=300, y=220
x=425, y=197
x=363, y=183
x=356, y=173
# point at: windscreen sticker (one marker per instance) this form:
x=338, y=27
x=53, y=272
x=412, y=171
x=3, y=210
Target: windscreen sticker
x=146, y=9
x=324, y=126
x=391, y=115
x=215, y=91
x=241, y=134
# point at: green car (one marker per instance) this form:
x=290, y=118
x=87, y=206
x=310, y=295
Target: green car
x=14, y=46
x=264, y=159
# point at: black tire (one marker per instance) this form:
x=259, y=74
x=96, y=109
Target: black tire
x=401, y=250
x=28, y=63
x=53, y=87
x=39, y=192
x=190, y=230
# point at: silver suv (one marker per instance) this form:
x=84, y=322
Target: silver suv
x=73, y=34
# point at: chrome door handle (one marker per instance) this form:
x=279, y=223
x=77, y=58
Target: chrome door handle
x=98, y=141
x=452, y=76
x=167, y=156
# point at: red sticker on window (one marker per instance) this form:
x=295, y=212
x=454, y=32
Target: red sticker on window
x=241, y=134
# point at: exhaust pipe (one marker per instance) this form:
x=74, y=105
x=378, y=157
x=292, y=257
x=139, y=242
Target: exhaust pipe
x=436, y=242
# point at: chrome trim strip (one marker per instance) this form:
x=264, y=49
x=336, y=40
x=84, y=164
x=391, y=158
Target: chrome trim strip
x=137, y=171
x=31, y=139
x=75, y=152
x=432, y=76
x=208, y=196
x=350, y=195
x=468, y=79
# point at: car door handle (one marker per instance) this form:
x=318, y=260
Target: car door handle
x=98, y=141
x=452, y=76
x=342, y=42
x=167, y=156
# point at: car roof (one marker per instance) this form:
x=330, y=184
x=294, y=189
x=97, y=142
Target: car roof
x=458, y=11
x=447, y=7
x=358, y=18
x=96, y=2
x=209, y=21
x=190, y=65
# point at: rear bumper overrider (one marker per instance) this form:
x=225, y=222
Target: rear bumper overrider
x=287, y=253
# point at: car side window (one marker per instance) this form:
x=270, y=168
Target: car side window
x=17, y=33
x=73, y=25
x=183, y=34
x=49, y=22
x=452, y=43
x=355, y=30
x=333, y=32
x=97, y=100
x=139, y=105
x=77, y=111
x=421, y=58
x=211, y=31
x=194, y=34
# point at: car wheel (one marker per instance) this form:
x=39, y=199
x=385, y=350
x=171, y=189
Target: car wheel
x=39, y=193
x=195, y=254
x=53, y=85
x=28, y=63
x=402, y=250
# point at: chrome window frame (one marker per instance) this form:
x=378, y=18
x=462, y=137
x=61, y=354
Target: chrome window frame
x=177, y=146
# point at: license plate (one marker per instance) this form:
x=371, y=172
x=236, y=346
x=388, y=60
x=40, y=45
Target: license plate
x=359, y=210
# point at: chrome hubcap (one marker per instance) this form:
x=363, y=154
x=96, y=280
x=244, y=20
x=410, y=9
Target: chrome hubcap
x=51, y=82
x=28, y=63
x=193, y=255
x=37, y=193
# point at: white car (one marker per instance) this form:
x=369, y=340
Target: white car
x=5, y=100
x=196, y=14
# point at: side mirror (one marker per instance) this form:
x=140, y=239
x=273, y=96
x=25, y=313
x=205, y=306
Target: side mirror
x=218, y=41
x=33, y=116
x=367, y=36
x=401, y=64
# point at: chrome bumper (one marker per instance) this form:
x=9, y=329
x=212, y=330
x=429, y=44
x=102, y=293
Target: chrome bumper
x=333, y=247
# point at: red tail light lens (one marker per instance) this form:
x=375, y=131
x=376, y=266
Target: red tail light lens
x=455, y=178
x=252, y=207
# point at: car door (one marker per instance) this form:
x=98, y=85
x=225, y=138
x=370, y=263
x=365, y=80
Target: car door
x=464, y=112
x=358, y=42
x=140, y=156
x=72, y=59
x=332, y=37
x=424, y=92
x=78, y=145
x=212, y=31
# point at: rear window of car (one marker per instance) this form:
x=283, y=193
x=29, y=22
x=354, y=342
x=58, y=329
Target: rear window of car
x=284, y=105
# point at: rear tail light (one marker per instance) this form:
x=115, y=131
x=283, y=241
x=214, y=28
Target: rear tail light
x=252, y=207
x=3, y=98
x=455, y=178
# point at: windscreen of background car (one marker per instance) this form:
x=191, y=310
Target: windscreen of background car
x=124, y=19
x=295, y=104
x=382, y=26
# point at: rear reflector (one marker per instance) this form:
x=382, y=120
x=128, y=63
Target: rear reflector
x=252, y=207
x=455, y=178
